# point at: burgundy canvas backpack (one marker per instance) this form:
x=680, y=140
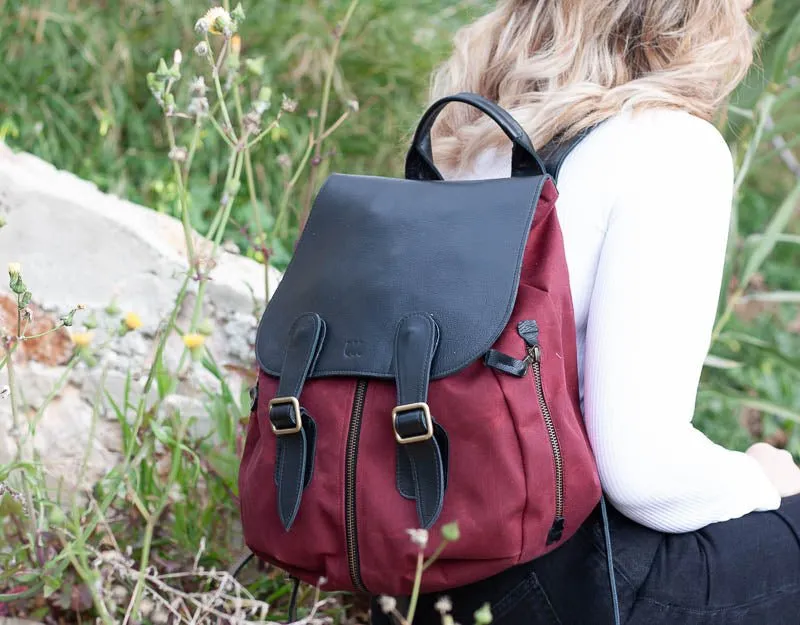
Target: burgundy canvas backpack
x=418, y=367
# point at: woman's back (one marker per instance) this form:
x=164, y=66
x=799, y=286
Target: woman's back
x=644, y=207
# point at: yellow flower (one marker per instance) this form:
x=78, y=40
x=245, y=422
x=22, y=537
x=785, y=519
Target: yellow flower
x=133, y=321
x=14, y=269
x=193, y=341
x=82, y=339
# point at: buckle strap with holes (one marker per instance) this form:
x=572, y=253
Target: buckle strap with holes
x=420, y=439
x=293, y=427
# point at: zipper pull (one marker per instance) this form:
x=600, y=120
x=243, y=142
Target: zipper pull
x=529, y=331
x=534, y=356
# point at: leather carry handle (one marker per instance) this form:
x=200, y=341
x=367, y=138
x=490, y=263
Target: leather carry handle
x=419, y=162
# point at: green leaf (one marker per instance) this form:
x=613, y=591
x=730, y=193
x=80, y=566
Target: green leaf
x=755, y=403
x=774, y=230
x=717, y=362
x=775, y=297
x=783, y=52
x=768, y=349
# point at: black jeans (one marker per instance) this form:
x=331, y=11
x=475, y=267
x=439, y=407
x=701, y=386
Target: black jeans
x=743, y=572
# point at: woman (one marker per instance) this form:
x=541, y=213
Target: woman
x=702, y=535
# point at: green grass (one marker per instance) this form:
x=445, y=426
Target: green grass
x=73, y=90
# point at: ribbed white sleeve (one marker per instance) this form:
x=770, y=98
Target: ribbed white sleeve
x=645, y=207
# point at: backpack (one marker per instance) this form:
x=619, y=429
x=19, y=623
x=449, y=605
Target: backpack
x=418, y=366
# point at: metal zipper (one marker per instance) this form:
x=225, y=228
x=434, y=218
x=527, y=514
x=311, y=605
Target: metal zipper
x=351, y=461
x=534, y=358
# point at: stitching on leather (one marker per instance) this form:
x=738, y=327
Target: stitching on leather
x=279, y=467
x=298, y=483
x=404, y=493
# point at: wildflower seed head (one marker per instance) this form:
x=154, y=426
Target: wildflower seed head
x=198, y=107
x=132, y=321
x=202, y=26
x=443, y=605
x=252, y=122
x=201, y=49
x=178, y=154
x=198, y=87
x=419, y=537
x=288, y=105
x=387, y=604
x=14, y=270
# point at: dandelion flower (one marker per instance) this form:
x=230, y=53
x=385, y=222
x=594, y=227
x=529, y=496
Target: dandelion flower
x=193, y=341
x=82, y=339
x=132, y=321
x=14, y=269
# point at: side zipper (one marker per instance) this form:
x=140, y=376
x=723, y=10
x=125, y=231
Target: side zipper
x=529, y=331
x=351, y=463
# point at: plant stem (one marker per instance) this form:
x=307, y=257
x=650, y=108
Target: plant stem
x=764, y=111
x=412, y=604
x=215, y=67
x=326, y=95
x=435, y=555
x=31, y=337
x=283, y=209
x=183, y=196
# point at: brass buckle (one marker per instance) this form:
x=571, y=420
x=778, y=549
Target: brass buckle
x=293, y=401
x=428, y=423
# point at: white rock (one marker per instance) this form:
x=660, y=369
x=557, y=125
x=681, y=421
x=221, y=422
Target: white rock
x=78, y=245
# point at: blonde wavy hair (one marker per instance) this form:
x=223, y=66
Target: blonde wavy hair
x=560, y=66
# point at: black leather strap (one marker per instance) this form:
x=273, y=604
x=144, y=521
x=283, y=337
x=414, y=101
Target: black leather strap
x=296, y=430
x=505, y=363
x=556, y=152
x=423, y=464
x=419, y=162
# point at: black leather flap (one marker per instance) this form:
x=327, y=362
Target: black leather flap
x=377, y=249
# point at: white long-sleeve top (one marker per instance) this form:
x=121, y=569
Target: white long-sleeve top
x=644, y=206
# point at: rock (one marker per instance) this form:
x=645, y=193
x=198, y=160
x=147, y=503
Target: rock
x=80, y=246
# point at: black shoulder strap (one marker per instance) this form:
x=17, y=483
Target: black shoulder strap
x=556, y=152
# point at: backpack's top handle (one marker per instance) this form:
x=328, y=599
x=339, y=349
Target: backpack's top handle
x=419, y=162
